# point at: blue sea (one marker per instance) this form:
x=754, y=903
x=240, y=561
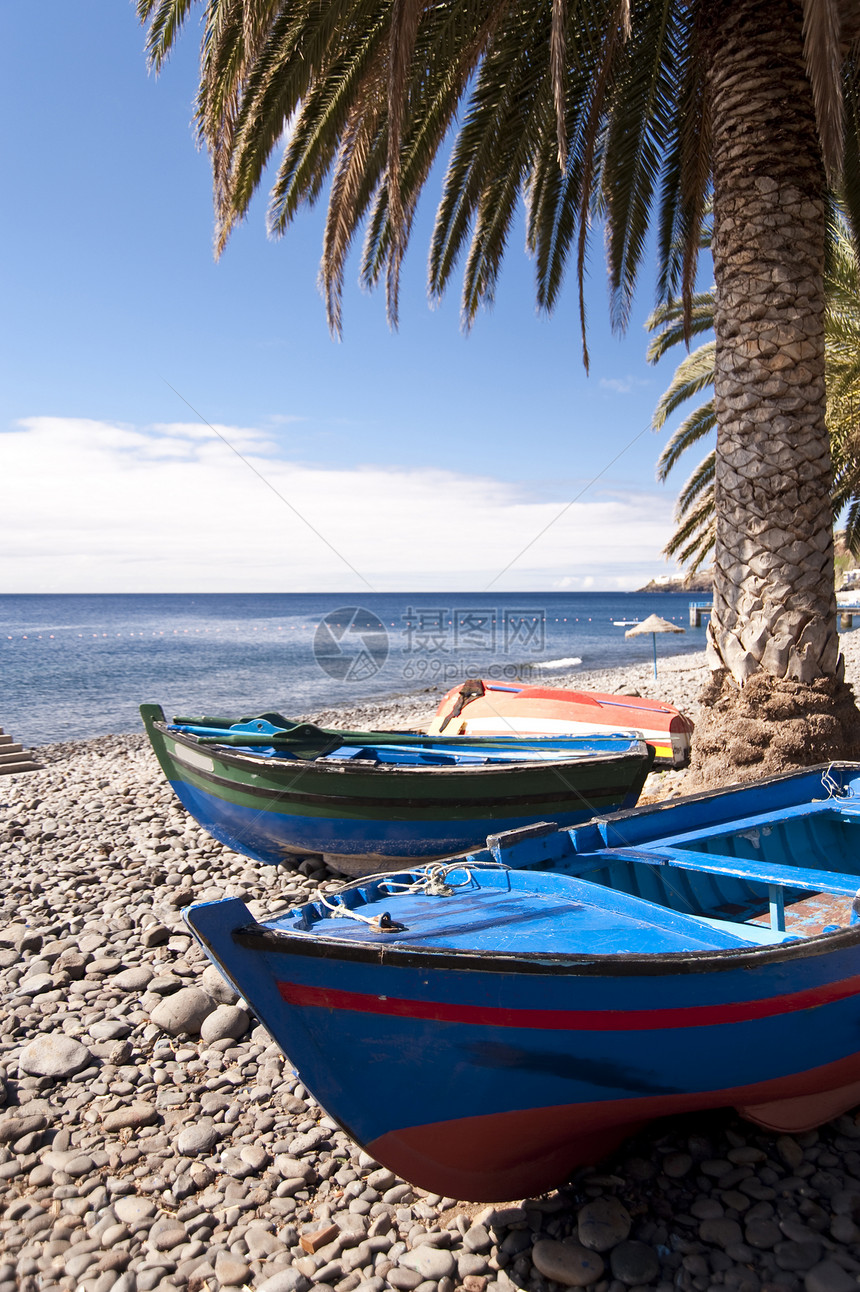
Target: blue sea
x=76, y=666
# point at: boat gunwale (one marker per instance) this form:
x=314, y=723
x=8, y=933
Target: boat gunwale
x=640, y=751
x=262, y=937
x=655, y=810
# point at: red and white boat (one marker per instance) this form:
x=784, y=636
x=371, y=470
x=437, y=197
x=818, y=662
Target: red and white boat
x=481, y=707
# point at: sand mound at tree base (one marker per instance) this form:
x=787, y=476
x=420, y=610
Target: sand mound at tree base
x=768, y=727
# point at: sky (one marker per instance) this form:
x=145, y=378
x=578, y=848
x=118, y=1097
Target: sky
x=170, y=423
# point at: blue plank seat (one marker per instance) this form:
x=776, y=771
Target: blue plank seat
x=612, y=866
x=776, y=877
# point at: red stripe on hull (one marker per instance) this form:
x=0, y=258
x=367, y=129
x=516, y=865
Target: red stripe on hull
x=571, y=1019
x=523, y=1153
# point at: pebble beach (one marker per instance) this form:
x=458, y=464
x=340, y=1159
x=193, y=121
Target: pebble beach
x=152, y=1135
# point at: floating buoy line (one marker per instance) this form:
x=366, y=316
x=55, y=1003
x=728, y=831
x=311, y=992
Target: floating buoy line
x=301, y=628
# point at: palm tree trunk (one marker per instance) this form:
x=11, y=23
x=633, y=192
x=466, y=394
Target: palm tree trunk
x=774, y=618
x=774, y=605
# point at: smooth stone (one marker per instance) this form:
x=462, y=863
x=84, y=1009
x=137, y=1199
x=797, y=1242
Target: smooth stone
x=183, y=1011
x=109, y=1029
x=55, y=1055
x=285, y=1281
x=829, y=1277
x=35, y=984
x=226, y=1022
x=309, y=1140
x=405, y=1280
x=634, y=1263
x=721, y=1232
x=200, y=1137
x=167, y=1234
x=762, y=1234
x=125, y=1283
x=78, y=1165
x=292, y=1168
x=114, y=1234
x=255, y=1156
x=155, y=935
x=676, y=1165
x=231, y=1270
x=132, y=1210
x=567, y=1263
x=477, y=1239
x=16, y=1124
x=797, y=1256
x=131, y=1115
x=216, y=985
x=134, y=979
x=603, y=1223
x=470, y=1263
x=430, y=1262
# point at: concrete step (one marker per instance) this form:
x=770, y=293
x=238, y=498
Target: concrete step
x=14, y=757
x=21, y=765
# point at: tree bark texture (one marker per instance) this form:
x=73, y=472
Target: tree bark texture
x=774, y=605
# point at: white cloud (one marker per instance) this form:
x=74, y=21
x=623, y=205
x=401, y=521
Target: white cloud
x=623, y=385
x=100, y=507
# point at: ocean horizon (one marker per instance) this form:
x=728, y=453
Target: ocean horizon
x=77, y=665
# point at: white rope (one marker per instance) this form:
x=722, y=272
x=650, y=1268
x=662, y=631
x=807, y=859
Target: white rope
x=834, y=789
x=433, y=880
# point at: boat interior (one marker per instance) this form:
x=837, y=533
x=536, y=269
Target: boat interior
x=774, y=878
x=791, y=873
x=306, y=741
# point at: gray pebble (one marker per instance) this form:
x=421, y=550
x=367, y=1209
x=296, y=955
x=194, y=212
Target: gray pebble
x=134, y=979
x=109, y=1029
x=54, y=1055
x=477, y=1239
x=829, y=1277
x=183, y=1011
x=133, y=1210
x=231, y=1270
x=762, y=1234
x=603, y=1223
x=677, y=1165
x=285, y=1281
x=310, y=1140
x=132, y=1116
x=225, y=1022
x=404, y=1279
x=216, y=985
x=430, y=1262
x=17, y=1123
x=198, y=1138
x=722, y=1232
x=634, y=1263
x=567, y=1263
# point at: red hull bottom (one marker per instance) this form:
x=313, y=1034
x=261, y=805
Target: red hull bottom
x=522, y=1154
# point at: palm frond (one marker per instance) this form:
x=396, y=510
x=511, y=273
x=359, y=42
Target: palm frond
x=693, y=374
x=166, y=19
x=822, y=37
x=694, y=428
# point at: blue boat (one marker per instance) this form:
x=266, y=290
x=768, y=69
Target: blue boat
x=364, y=801
x=484, y=1025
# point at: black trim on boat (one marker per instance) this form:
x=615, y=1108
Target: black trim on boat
x=287, y=796
x=257, y=937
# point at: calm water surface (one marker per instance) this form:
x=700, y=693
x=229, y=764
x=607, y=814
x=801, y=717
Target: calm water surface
x=77, y=666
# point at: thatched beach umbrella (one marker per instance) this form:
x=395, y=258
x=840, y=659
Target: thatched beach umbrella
x=653, y=625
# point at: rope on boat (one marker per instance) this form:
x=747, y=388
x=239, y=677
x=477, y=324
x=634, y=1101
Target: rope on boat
x=834, y=789
x=433, y=880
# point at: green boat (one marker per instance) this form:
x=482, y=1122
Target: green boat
x=279, y=791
